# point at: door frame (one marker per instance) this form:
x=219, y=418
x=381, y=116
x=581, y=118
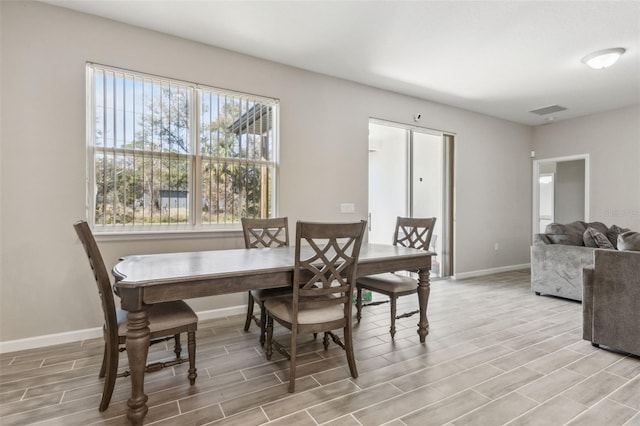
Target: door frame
x=536, y=189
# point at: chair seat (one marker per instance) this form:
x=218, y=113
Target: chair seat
x=260, y=295
x=389, y=283
x=162, y=316
x=282, y=308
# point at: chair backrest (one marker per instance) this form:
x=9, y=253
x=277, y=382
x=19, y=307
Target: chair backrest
x=260, y=233
x=414, y=232
x=325, y=264
x=102, y=279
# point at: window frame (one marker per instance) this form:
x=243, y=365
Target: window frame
x=195, y=224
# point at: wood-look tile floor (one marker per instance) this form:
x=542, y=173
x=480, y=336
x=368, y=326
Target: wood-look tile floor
x=496, y=355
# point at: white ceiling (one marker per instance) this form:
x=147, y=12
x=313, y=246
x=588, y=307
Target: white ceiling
x=501, y=58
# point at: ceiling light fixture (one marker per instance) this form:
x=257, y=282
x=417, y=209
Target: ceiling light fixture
x=603, y=58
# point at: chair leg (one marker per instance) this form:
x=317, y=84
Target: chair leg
x=348, y=347
x=177, y=348
x=292, y=361
x=247, y=321
x=269, y=348
x=325, y=341
x=392, y=330
x=263, y=323
x=359, y=304
x=103, y=367
x=191, y=348
x=111, y=371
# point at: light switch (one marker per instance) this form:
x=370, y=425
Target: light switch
x=347, y=208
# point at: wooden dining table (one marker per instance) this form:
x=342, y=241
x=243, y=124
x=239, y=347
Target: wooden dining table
x=142, y=280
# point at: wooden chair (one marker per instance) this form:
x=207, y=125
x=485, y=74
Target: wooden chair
x=166, y=322
x=261, y=233
x=409, y=232
x=323, y=280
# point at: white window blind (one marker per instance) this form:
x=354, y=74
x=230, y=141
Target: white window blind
x=167, y=154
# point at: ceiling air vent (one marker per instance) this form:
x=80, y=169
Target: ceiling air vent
x=548, y=110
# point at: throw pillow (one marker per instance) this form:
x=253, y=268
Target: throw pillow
x=613, y=232
x=600, y=240
x=589, y=241
x=629, y=241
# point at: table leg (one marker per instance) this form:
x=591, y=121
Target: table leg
x=424, y=288
x=137, y=350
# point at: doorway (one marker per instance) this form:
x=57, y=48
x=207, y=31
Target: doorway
x=560, y=191
x=546, y=211
x=411, y=174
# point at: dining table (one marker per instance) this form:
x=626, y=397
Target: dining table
x=143, y=280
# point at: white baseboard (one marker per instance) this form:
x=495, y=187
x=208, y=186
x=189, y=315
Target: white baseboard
x=50, y=340
x=93, y=333
x=222, y=312
x=483, y=272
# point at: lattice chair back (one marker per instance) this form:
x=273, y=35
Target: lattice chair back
x=414, y=232
x=260, y=233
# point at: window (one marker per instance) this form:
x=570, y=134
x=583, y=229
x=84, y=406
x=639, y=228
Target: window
x=172, y=155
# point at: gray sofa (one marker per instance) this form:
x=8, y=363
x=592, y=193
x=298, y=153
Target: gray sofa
x=611, y=304
x=559, y=255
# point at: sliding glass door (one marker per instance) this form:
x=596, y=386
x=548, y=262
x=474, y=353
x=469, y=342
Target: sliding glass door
x=410, y=174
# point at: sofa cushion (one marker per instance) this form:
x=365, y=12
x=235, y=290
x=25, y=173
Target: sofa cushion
x=594, y=238
x=613, y=232
x=629, y=241
x=569, y=234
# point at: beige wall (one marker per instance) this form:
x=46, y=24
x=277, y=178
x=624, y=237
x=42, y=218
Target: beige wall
x=612, y=140
x=46, y=286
